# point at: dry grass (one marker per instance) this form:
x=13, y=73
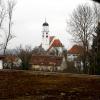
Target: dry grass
x=25, y=85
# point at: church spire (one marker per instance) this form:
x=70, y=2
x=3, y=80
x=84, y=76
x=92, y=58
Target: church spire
x=45, y=35
x=45, y=19
x=45, y=23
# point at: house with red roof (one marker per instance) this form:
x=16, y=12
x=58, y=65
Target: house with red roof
x=55, y=46
x=12, y=62
x=74, y=54
x=46, y=63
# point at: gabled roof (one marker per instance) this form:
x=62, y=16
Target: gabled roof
x=55, y=43
x=76, y=49
x=46, y=60
x=10, y=58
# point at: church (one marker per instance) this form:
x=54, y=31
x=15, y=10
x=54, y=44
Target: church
x=52, y=60
x=51, y=44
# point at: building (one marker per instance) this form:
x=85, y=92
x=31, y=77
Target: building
x=74, y=55
x=50, y=43
x=1, y=61
x=45, y=35
x=46, y=63
x=55, y=46
x=12, y=62
x=52, y=60
x=74, y=52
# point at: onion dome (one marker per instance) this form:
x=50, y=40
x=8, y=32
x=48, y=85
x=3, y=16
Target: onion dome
x=45, y=24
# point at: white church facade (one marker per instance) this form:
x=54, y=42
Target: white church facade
x=51, y=43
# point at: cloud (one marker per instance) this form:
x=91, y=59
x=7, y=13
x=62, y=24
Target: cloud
x=30, y=14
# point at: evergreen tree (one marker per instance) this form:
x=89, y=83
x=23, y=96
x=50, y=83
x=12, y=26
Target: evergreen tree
x=96, y=50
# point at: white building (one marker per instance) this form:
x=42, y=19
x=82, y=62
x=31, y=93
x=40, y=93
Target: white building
x=1, y=61
x=45, y=35
x=50, y=43
x=74, y=55
x=55, y=46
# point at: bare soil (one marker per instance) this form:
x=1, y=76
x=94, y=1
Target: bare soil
x=29, y=85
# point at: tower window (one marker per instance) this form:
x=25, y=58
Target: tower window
x=47, y=36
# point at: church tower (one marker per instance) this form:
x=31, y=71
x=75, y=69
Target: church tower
x=45, y=35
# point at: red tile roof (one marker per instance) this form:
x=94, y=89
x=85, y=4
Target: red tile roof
x=76, y=49
x=51, y=38
x=46, y=60
x=55, y=43
x=10, y=58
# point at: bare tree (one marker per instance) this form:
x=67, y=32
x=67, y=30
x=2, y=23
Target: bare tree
x=25, y=56
x=2, y=17
x=10, y=7
x=81, y=26
x=65, y=56
x=96, y=9
x=2, y=13
x=38, y=50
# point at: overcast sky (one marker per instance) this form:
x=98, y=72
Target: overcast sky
x=29, y=15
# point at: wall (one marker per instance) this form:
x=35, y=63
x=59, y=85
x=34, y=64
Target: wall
x=46, y=68
x=1, y=64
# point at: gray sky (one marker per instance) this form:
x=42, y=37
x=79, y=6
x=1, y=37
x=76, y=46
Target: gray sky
x=29, y=16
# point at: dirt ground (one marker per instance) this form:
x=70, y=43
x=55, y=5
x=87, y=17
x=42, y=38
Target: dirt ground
x=29, y=85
